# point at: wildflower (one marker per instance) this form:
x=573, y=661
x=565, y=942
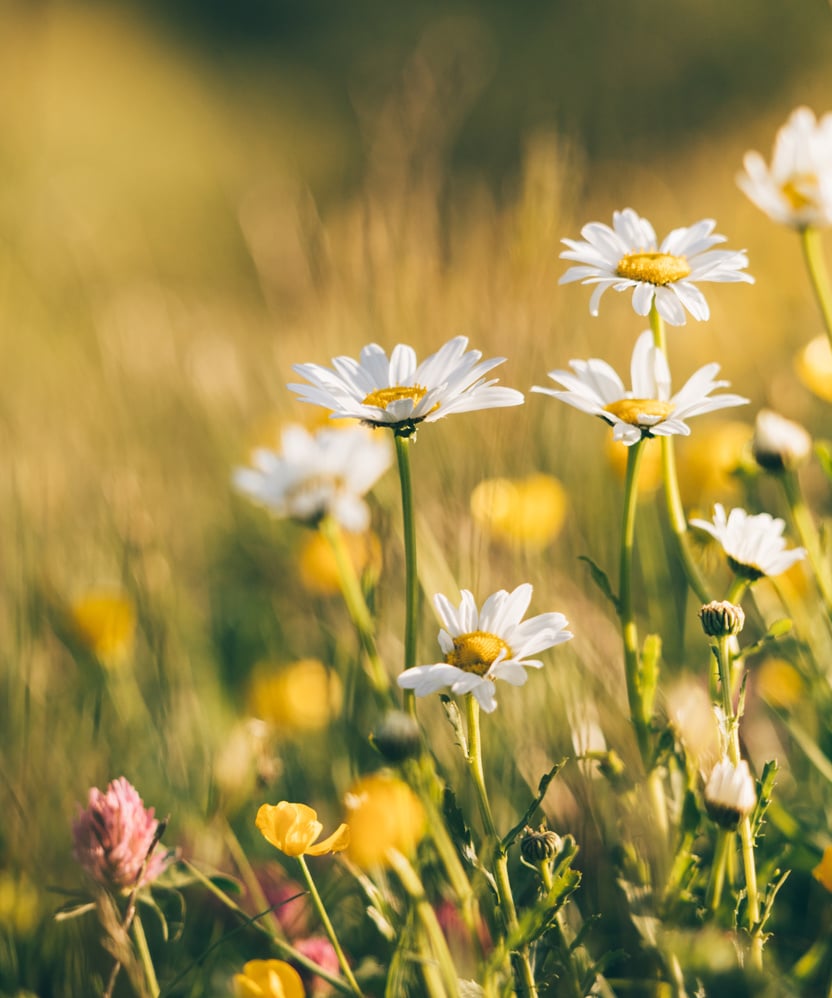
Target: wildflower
x=823, y=871
x=527, y=511
x=268, y=979
x=383, y=814
x=301, y=697
x=104, y=621
x=730, y=795
x=796, y=189
x=293, y=829
x=813, y=366
x=481, y=646
x=720, y=619
x=628, y=256
x=754, y=545
x=116, y=838
x=648, y=410
x=317, y=474
x=778, y=443
x=401, y=394
x=540, y=846
x=318, y=568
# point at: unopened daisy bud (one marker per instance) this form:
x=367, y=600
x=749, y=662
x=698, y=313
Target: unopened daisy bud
x=721, y=618
x=540, y=846
x=730, y=794
x=397, y=737
x=778, y=443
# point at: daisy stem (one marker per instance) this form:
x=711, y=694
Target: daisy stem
x=328, y=927
x=411, y=575
x=808, y=535
x=675, y=509
x=356, y=604
x=523, y=976
x=810, y=241
x=720, y=860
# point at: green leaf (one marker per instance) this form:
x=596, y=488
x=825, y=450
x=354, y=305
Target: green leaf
x=599, y=577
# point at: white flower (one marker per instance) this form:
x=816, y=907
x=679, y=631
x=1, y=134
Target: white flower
x=797, y=188
x=628, y=256
x=317, y=474
x=754, y=545
x=400, y=393
x=648, y=410
x=779, y=443
x=481, y=646
x=730, y=794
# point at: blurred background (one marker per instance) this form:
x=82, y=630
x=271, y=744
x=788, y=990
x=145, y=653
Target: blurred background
x=197, y=194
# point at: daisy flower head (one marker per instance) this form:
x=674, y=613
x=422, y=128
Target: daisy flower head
x=317, y=474
x=628, y=255
x=487, y=644
x=796, y=189
x=400, y=393
x=730, y=794
x=648, y=409
x=753, y=544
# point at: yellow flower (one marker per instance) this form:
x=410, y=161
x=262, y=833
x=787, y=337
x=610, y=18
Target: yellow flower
x=650, y=469
x=779, y=683
x=708, y=459
x=318, y=569
x=300, y=697
x=293, y=828
x=823, y=871
x=521, y=510
x=383, y=813
x=813, y=366
x=268, y=979
x=104, y=621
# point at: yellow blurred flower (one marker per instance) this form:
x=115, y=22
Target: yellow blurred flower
x=293, y=829
x=779, y=683
x=527, y=511
x=707, y=460
x=383, y=814
x=823, y=871
x=104, y=621
x=300, y=697
x=813, y=366
x=650, y=469
x=317, y=566
x=18, y=904
x=268, y=979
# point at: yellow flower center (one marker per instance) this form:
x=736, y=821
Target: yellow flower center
x=477, y=652
x=633, y=411
x=382, y=397
x=654, y=268
x=794, y=190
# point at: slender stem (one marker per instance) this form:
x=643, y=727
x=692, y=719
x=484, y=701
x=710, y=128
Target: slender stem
x=808, y=535
x=751, y=892
x=523, y=975
x=810, y=241
x=250, y=877
x=717, y=878
x=673, y=498
x=328, y=927
x=411, y=575
x=144, y=955
x=723, y=657
x=572, y=984
x=356, y=604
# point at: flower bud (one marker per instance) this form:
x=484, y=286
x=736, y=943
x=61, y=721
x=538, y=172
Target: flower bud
x=540, y=846
x=730, y=794
x=779, y=444
x=721, y=618
x=397, y=737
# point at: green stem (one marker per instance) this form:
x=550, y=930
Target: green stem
x=144, y=955
x=629, y=631
x=717, y=877
x=808, y=532
x=356, y=604
x=523, y=976
x=673, y=497
x=751, y=892
x=411, y=575
x=328, y=927
x=572, y=985
x=723, y=657
x=250, y=877
x=810, y=241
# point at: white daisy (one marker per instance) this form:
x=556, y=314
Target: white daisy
x=317, y=474
x=648, y=410
x=754, y=545
x=730, y=794
x=778, y=443
x=796, y=189
x=400, y=393
x=481, y=646
x=628, y=256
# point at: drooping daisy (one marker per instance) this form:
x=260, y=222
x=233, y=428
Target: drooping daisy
x=730, y=794
x=317, y=474
x=628, y=256
x=400, y=393
x=481, y=646
x=648, y=410
x=753, y=544
x=796, y=189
